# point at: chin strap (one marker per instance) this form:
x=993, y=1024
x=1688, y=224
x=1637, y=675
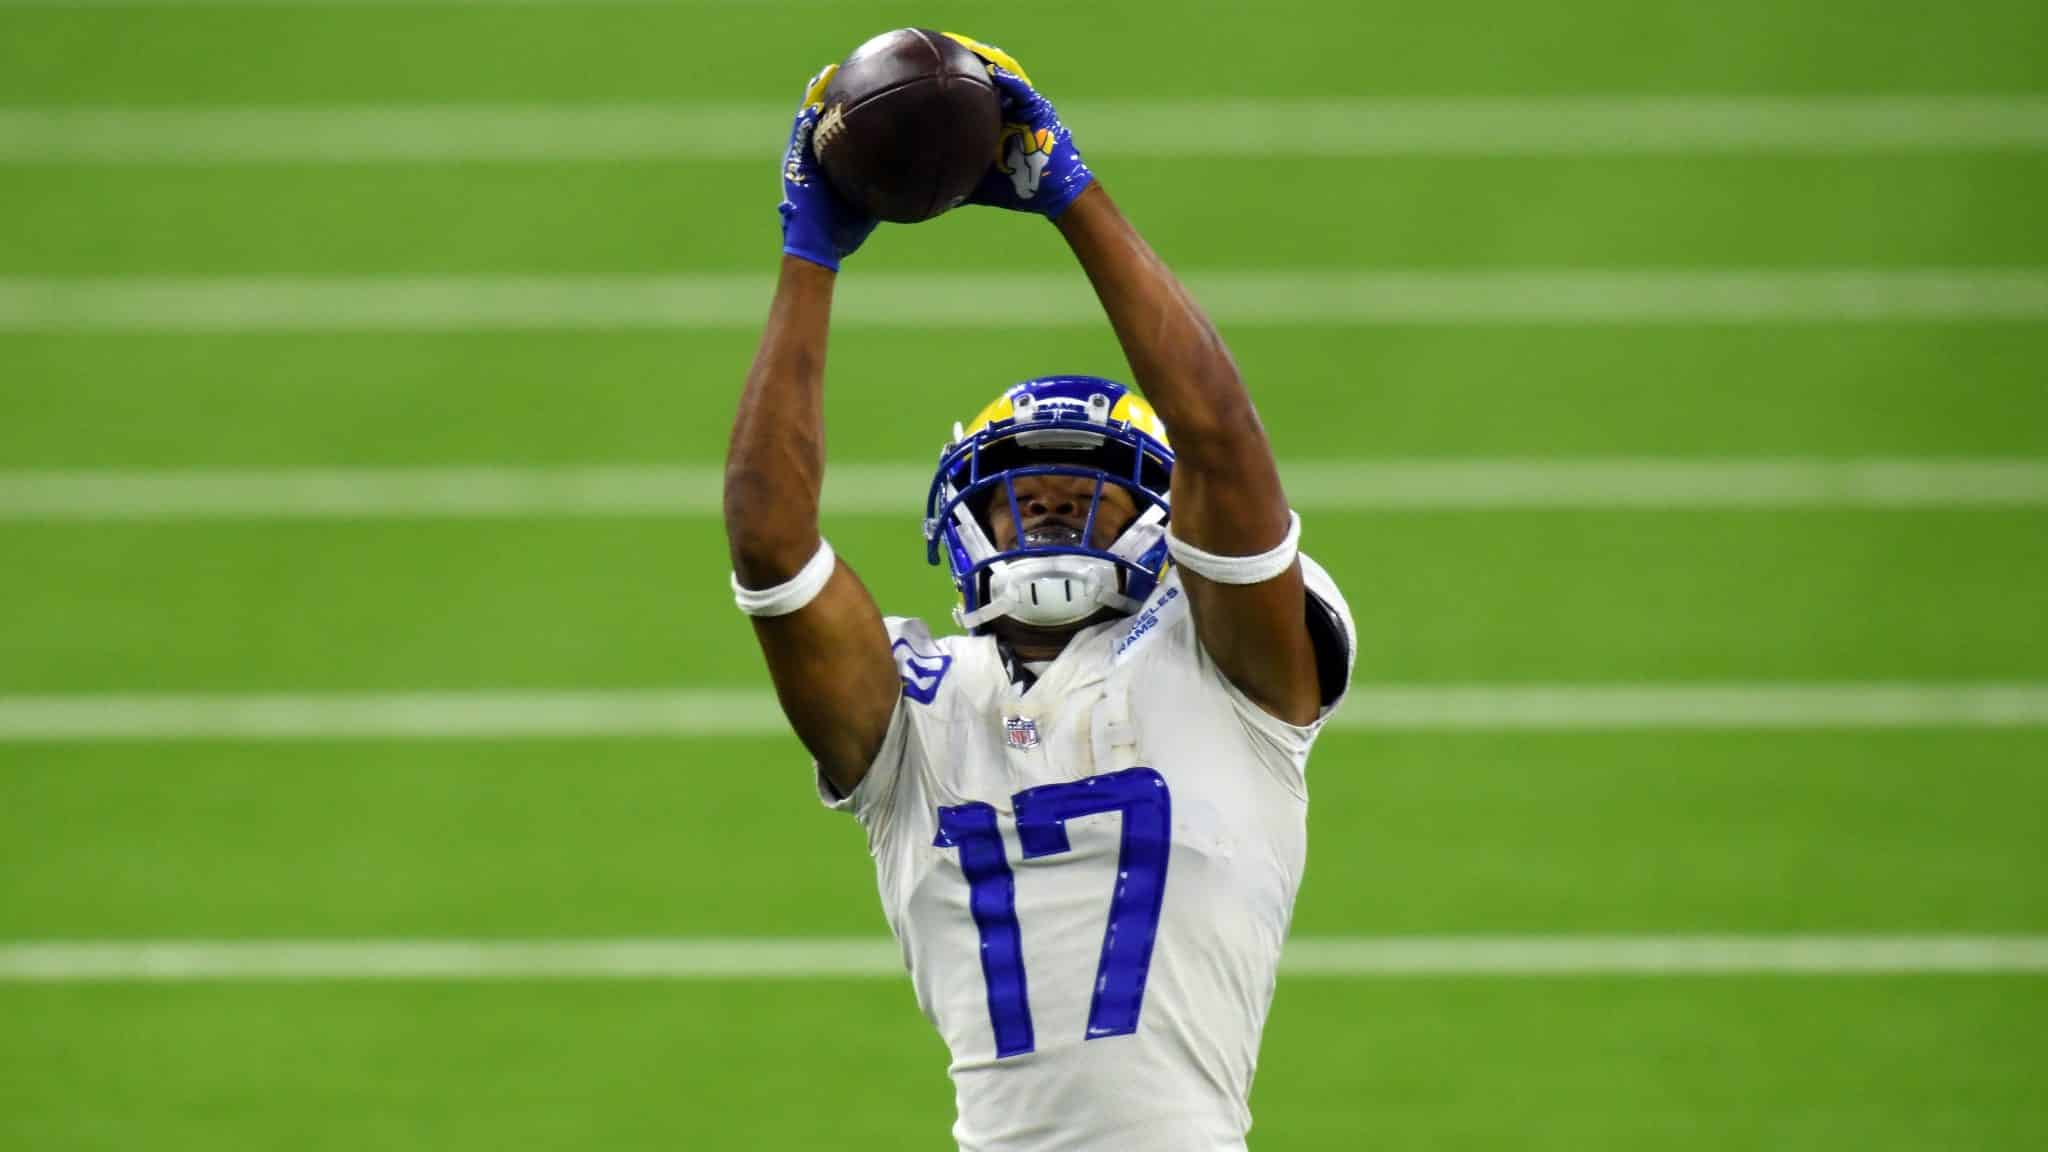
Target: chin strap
x=1048, y=591
x=978, y=545
x=1141, y=536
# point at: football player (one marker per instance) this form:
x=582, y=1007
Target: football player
x=1088, y=812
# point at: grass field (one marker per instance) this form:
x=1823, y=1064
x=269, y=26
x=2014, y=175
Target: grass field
x=1496, y=833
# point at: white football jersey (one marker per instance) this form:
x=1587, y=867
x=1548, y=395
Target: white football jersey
x=1091, y=879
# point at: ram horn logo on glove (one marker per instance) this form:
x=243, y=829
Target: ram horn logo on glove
x=1025, y=153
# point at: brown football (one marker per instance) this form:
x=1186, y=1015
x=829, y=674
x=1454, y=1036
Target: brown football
x=910, y=125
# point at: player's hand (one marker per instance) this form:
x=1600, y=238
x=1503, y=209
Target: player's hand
x=818, y=224
x=1037, y=167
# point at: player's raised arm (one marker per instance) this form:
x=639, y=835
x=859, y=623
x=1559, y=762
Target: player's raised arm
x=826, y=647
x=1231, y=530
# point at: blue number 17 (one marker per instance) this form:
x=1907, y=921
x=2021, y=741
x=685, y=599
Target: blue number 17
x=1042, y=815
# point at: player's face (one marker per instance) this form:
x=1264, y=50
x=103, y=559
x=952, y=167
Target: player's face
x=1055, y=509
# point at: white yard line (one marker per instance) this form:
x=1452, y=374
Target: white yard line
x=1662, y=955
x=455, y=133
x=743, y=958
x=209, y=5
x=898, y=490
x=382, y=716
x=168, y=961
x=924, y=302
x=683, y=713
x=1694, y=707
x=415, y=493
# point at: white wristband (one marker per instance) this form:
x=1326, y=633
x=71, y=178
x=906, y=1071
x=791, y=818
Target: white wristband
x=1237, y=569
x=793, y=593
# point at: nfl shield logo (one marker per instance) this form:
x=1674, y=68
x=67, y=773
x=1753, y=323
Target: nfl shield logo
x=1020, y=732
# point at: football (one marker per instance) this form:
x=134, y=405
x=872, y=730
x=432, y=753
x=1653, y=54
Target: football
x=910, y=125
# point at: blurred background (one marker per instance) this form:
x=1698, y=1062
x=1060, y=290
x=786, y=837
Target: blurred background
x=382, y=763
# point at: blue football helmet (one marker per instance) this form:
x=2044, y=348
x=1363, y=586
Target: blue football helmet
x=1059, y=426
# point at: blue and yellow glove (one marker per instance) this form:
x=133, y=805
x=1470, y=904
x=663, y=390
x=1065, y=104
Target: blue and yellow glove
x=818, y=224
x=1037, y=167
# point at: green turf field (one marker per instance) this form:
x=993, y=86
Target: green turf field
x=1922, y=831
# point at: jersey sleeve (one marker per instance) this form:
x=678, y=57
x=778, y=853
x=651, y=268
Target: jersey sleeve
x=922, y=664
x=1282, y=746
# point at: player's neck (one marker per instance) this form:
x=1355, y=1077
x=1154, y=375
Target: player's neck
x=1035, y=644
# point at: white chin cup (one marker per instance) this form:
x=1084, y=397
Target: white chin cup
x=1050, y=591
